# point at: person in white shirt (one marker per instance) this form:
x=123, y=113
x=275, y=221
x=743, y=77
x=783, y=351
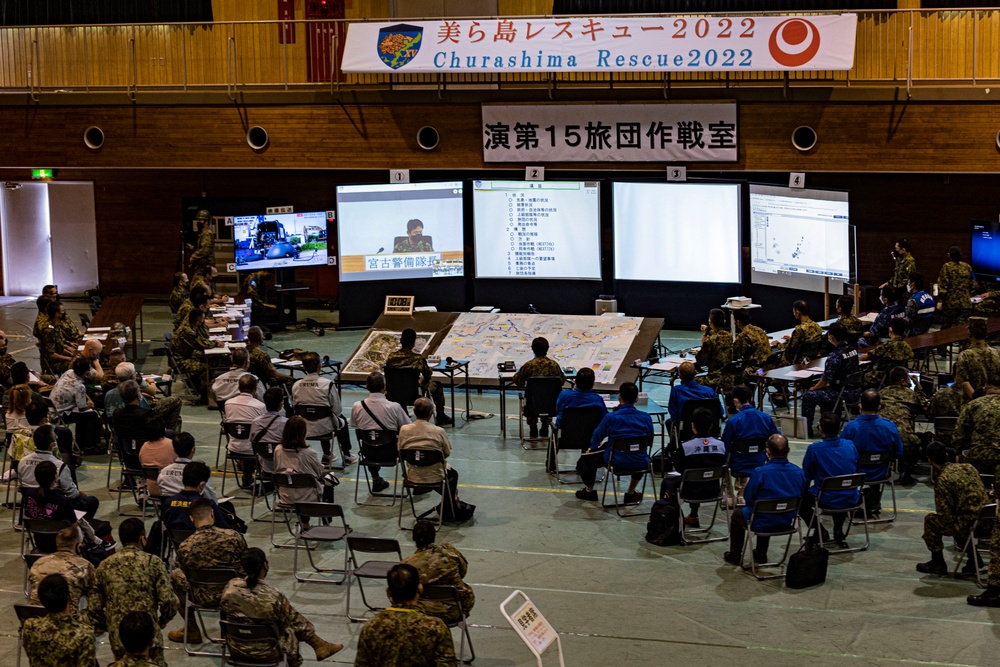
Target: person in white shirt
x=170, y=481
x=316, y=390
x=69, y=396
x=378, y=413
x=226, y=386
x=244, y=408
x=44, y=440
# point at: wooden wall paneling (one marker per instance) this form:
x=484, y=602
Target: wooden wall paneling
x=524, y=7
x=367, y=9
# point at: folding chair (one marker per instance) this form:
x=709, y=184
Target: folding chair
x=176, y=372
x=264, y=637
x=700, y=477
x=870, y=460
x=683, y=432
x=240, y=431
x=987, y=512
x=632, y=445
x=287, y=481
x=24, y=612
x=33, y=529
x=376, y=447
x=207, y=577
x=323, y=512
x=853, y=384
x=221, y=407
x=944, y=427
x=762, y=508
x=744, y=456
x=839, y=483
x=314, y=413
x=446, y=593
x=539, y=401
x=172, y=540
x=151, y=473
x=402, y=385
x=264, y=451
x=29, y=562
x=370, y=569
x=131, y=471
x=576, y=428
x=423, y=458
x=810, y=351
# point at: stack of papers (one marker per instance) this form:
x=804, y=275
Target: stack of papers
x=806, y=373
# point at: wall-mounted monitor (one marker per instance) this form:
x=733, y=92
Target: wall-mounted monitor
x=683, y=232
x=986, y=250
x=394, y=231
x=537, y=229
x=799, y=238
x=280, y=241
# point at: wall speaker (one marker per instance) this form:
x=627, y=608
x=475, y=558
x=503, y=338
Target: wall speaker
x=428, y=138
x=93, y=137
x=804, y=138
x=257, y=138
x=998, y=139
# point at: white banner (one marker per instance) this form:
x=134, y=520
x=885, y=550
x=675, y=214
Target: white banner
x=664, y=132
x=604, y=44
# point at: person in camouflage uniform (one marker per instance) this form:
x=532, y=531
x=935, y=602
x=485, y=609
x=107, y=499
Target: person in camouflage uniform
x=55, y=349
x=132, y=580
x=751, y=345
x=900, y=405
x=845, y=308
x=70, y=333
x=189, y=345
x=806, y=332
x=954, y=304
x=977, y=363
x=406, y=357
x=716, y=351
x=6, y=362
x=978, y=429
x=250, y=600
x=260, y=362
x=255, y=289
x=137, y=630
x=884, y=356
x=59, y=638
x=540, y=366
x=958, y=497
x=414, y=241
x=444, y=565
x=209, y=546
x=180, y=292
x=204, y=254
x=905, y=265
x=80, y=575
x=42, y=319
x=991, y=596
x=401, y=635
x=946, y=402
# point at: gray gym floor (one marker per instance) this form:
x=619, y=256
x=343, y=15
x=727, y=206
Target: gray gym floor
x=614, y=598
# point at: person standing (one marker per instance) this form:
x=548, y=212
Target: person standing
x=905, y=264
x=954, y=304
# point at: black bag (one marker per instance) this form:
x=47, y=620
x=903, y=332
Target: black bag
x=663, y=528
x=807, y=567
x=461, y=512
x=94, y=552
x=662, y=462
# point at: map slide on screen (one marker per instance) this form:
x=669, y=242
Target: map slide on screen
x=376, y=348
x=579, y=341
x=537, y=229
x=683, y=232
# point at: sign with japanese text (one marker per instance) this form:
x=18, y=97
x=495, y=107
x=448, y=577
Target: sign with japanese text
x=605, y=44
x=664, y=132
x=533, y=628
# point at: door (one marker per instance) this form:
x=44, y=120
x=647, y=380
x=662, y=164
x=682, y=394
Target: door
x=27, y=262
x=74, y=236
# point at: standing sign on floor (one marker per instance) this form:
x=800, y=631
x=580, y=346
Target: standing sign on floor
x=533, y=629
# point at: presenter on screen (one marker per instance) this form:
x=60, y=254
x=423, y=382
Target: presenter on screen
x=414, y=241
x=905, y=265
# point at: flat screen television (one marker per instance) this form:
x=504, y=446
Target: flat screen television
x=986, y=250
x=280, y=241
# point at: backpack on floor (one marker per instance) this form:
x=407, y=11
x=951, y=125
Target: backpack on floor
x=663, y=528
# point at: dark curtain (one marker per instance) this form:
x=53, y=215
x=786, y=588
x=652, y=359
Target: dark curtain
x=87, y=12
x=602, y=7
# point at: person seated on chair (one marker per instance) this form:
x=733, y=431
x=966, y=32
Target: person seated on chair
x=197, y=300
x=978, y=429
x=188, y=347
x=892, y=310
x=80, y=575
x=294, y=457
x=977, y=363
x=582, y=395
x=958, y=496
x=806, y=332
x=167, y=407
x=405, y=357
x=130, y=420
x=170, y=481
x=441, y=565
x=402, y=634
x=777, y=478
x=260, y=362
x=21, y=374
x=269, y=426
x=701, y=451
x=871, y=433
x=244, y=408
x=624, y=422
x=845, y=308
x=687, y=390
x=45, y=445
x=226, y=386
x=830, y=457
x=316, y=390
x=18, y=400
x=6, y=361
x=60, y=637
x=137, y=634
x=895, y=352
x=157, y=451
x=22, y=440
x=751, y=345
x=47, y=501
x=377, y=413
x=422, y=434
x=204, y=279
x=251, y=601
x=920, y=306
x=716, y=350
x=174, y=510
x=900, y=405
x=91, y=351
x=209, y=546
x=540, y=366
x=840, y=364
x=109, y=382
x=748, y=423
x=179, y=293
x=42, y=318
x=69, y=396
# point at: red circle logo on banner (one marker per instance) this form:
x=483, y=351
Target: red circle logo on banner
x=794, y=42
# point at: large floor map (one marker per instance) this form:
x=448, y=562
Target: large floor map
x=374, y=349
x=486, y=339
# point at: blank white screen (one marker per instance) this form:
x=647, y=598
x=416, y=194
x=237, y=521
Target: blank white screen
x=684, y=232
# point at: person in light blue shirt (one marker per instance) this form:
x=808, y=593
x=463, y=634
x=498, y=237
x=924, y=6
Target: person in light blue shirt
x=871, y=433
x=685, y=391
x=625, y=422
x=832, y=456
x=747, y=424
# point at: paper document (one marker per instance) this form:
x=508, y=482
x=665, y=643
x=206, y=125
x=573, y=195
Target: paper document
x=98, y=329
x=868, y=317
x=666, y=366
x=808, y=373
x=79, y=514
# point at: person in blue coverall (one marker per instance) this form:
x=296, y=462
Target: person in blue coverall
x=830, y=457
x=871, y=433
x=685, y=391
x=777, y=478
x=624, y=422
x=581, y=396
x=747, y=424
x=840, y=364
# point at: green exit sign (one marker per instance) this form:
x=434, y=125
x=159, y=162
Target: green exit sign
x=37, y=174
